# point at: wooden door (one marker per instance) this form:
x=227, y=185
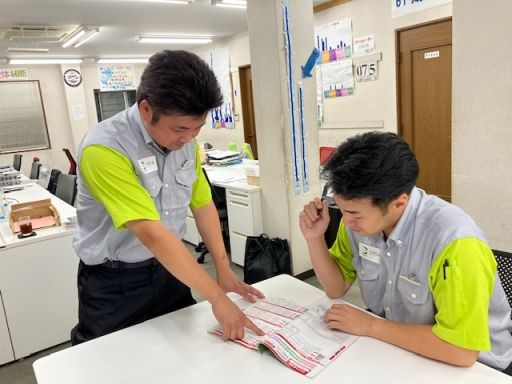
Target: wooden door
x=248, y=108
x=424, y=101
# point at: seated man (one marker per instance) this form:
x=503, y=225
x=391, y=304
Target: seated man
x=423, y=265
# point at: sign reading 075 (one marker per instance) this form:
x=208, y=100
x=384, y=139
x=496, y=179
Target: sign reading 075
x=366, y=71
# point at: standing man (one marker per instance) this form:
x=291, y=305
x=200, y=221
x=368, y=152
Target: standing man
x=422, y=264
x=138, y=172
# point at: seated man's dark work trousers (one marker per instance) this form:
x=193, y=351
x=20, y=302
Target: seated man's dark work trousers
x=116, y=295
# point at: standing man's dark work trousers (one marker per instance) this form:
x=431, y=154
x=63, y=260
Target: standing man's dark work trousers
x=116, y=295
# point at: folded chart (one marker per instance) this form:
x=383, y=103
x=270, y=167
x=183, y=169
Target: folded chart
x=296, y=335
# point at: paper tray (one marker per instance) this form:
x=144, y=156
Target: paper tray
x=42, y=213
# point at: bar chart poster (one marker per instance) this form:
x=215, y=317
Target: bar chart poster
x=334, y=41
x=222, y=117
x=337, y=79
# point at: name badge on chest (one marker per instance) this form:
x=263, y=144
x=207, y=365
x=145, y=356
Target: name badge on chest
x=369, y=253
x=148, y=164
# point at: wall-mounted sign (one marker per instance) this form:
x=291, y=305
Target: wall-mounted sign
x=72, y=77
x=116, y=77
x=13, y=74
x=364, y=45
x=366, y=71
x=404, y=7
x=431, y=55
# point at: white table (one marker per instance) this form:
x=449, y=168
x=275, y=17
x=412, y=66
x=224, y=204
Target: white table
x=244, y=208
x=176, y=348
x=38, y=294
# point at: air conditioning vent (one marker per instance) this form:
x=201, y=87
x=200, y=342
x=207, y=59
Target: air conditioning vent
x=33, y=33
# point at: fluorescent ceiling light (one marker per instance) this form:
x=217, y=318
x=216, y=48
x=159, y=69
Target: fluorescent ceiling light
x=86, y=37
x=122, y=61
x=30, y=50
x=79, y=36
x=45, y=61
x=169, y=1
x=230, y=3
x=175, y=39
x=35, y=39
x=74, y=36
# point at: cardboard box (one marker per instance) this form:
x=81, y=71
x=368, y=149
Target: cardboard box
x=42, y=213
x=253, y=180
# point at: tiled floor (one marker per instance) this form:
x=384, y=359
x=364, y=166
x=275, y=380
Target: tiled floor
x=20, y=372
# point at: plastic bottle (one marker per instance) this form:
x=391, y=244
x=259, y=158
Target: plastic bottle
x=4, y=207
x=233, y=147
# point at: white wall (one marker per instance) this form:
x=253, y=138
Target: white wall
x=239, y=54
x=481, y=101
x=373, y=100
x=58, y=98
x=56, y=112
x=482, y=115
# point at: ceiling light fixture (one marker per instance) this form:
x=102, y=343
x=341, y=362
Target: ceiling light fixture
x=45, y=61
x=122, y=61
x=79, y=36
x=170, y=1
x=174, y=39
x=74, y=35
x=90, y=33
x=28, y=50
x=230, y=3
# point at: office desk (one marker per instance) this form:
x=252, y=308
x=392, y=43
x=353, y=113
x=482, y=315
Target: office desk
x=176, y=348
x=38, y=294
x=244, y=209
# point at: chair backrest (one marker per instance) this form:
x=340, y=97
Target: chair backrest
x=505, y=272
x=34, y=171
x=54, y=178
x=325, y=153
x=218, y=197
x=16, y=162
x=66, y=188
x=72, y=162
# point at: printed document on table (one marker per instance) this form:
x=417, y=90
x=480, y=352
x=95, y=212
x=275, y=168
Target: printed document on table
x=296, y=335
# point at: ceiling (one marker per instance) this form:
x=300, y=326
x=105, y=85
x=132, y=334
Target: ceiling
x=119, y=21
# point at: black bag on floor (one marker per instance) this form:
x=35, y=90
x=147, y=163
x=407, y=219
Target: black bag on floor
x=265, y=257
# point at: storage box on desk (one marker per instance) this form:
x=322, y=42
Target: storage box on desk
x=252, y=172
x=253, y=180
x=42, y=213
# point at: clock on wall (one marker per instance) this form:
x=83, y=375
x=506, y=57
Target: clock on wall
x=72, y=77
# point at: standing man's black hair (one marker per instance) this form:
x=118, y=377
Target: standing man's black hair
x=179, y=82
x=376, y=165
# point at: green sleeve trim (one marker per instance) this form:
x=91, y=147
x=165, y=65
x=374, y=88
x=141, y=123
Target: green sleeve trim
x=341, y=252
x=462, y=281
x=201, y=193
x=112, y=180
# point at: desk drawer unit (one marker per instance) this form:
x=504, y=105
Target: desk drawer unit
x=6, y=352
x=191, y=234
x=244, y=213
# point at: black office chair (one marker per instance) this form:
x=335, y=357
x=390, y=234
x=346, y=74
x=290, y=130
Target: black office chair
x=334, y=215
x=34, y=170
x=16, y=162
x=52, y=183
x=504, y=261
x=219, y=199
x=66, y=188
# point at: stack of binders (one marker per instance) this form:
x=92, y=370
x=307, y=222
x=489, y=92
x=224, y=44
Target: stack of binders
x=217, y=157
